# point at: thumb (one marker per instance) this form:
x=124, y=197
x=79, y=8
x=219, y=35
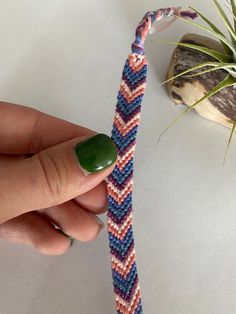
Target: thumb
x=55, y=175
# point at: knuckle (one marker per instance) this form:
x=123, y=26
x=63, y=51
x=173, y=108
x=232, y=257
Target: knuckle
x=72, y=226
x=87, y=235
x=79, y=225
x=51, y=246
x=81, y=234
x=55, y=175
x=71, y=229
x=35, y=138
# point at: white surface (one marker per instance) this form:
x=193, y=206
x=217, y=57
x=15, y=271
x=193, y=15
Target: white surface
x=65, y=57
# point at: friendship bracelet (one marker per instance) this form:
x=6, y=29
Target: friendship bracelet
x=120, y=181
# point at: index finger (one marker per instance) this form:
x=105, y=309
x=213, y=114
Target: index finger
x=25, y=130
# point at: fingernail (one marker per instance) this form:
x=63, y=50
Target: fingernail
x=72, y=241
x=99, y=221
x=59, y=230
x=96, y=153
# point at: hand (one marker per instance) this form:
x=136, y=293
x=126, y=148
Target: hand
x=44, y=180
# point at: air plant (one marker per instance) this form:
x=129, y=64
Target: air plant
x=225, y=60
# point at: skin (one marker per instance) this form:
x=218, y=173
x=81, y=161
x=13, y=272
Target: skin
x=41, y=182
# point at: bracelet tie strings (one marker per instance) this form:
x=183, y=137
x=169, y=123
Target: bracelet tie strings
x=120, y=181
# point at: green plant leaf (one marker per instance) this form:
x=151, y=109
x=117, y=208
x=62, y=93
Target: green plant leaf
x=226, y=21
x=196, y=67
x=227, y=82
x=214, y=28
x=213, y=53
x=232, y=73
x=233, y=5
x=230, y=139
x=225, y=66
x=217, y=35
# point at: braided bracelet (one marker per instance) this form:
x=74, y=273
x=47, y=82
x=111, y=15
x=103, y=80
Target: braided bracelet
x=120, y=182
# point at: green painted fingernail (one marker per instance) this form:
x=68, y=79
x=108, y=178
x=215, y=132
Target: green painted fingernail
x=96, y=153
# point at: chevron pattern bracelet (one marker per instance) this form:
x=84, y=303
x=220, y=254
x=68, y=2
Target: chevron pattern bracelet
x=120, y=182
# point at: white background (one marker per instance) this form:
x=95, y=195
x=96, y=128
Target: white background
x=65, y=57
